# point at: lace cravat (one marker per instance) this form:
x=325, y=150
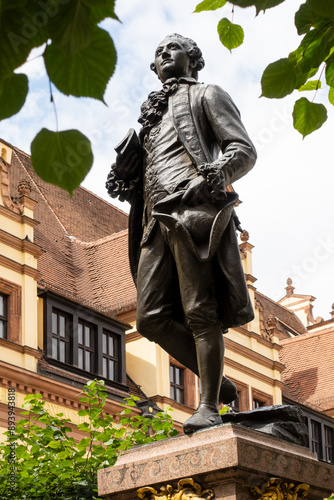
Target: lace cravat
x=152, y=109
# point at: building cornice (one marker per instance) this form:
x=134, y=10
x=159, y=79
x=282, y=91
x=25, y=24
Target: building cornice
x=22, y=245
x=252, y=373
x=18, y=217
x=252, y=355
x=250, y=278
x=22, y=349
x=54, y=391
x=132, y=336
x=257, y=337
x=19, y=268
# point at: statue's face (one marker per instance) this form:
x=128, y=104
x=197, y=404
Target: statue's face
x=172, y=60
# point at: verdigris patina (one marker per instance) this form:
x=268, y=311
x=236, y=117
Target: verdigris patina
x=184, y=255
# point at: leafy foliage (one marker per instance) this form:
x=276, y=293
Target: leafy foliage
x=314, y=20
x=308, y=116
x=62, y=158
x=331, y=95
x=231, y=35
x=311, y=85
x=50, y=464
x=210, y=5
x=79, y=58
x=85, y=71
x=13, y=93
x=278, y=79
x=258, y=4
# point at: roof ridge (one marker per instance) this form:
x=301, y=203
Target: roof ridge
x=100, y=241
x=299, y=296
x=40, y=192
x=21, y=151
x=271, y=300
x=307, y=335
x=138, y=386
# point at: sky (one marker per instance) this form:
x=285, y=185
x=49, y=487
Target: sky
x=287, y=199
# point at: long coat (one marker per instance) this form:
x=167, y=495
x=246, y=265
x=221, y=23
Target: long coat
x=208, y=122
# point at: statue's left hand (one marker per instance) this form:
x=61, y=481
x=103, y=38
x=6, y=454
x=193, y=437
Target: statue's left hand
x=197, y=192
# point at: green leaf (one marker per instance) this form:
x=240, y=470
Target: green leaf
x=258, y=4
x=83, y=413
x=323, y=7
x=13, y=93
x=308, y=116
x=313, y=49
x=29, y=397
x=74, y=33
x=62, y=158
x=330, y=71
x=100, y=9
x=306, y=18
x=35, y=449
x=331, y=95
x=231, y=35
x=84, y=442
x=301, y=76
x=84, y=399
x=83, y=427
x=19, y=33
x=86, y=72
x=54, y=444
x=311, y=85
x=210, y=5
x=278, y=79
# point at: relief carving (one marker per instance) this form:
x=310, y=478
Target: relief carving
x=187, y=489
x=277, y=489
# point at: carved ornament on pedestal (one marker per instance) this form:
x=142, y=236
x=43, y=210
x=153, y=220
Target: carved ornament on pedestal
x=187, y=490
x=277, y=489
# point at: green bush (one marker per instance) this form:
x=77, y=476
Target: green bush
x=40, y=458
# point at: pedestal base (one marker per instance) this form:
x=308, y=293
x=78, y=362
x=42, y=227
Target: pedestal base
x=227, y=459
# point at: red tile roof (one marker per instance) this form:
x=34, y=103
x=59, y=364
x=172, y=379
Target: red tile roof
x=85, y=242
x=309, y=369
x=85, y=216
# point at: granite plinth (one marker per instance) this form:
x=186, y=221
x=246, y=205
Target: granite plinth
x=227, y=458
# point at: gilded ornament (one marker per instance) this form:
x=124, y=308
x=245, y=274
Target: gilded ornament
x=277, y=489
x=187, y=489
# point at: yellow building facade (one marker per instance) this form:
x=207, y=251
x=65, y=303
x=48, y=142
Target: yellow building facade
x=23, y=310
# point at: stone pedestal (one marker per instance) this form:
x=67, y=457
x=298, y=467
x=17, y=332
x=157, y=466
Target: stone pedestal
x=233, y=462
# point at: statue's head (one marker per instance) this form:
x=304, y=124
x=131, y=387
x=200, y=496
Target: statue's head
x=177, y=56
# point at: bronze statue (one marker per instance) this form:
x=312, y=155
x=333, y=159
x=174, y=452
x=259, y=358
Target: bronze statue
x=183, y=250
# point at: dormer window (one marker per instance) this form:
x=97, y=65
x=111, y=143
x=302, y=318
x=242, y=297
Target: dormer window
x=78, y=339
